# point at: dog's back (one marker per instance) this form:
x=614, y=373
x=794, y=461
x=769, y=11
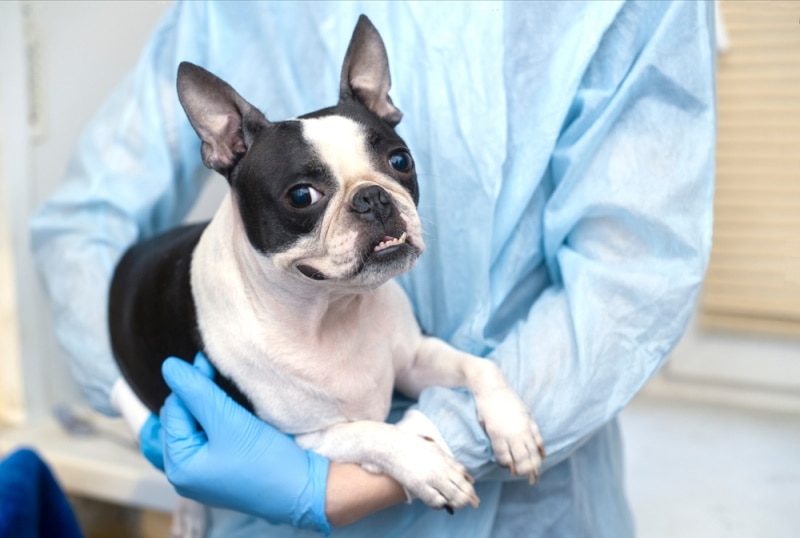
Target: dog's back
x=151, y=310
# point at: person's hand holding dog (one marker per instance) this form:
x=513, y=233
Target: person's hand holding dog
x=209, y=438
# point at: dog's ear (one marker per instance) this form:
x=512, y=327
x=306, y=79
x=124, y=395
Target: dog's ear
x=223, y=120
x=365, y=73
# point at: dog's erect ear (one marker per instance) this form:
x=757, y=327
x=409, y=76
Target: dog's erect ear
x=365, y=73
x=223, y=120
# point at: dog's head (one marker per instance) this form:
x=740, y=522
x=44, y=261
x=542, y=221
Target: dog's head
x=330, y=196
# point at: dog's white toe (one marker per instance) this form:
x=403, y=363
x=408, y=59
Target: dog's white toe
x=436, y=478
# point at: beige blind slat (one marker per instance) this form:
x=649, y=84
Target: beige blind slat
x=753, y=281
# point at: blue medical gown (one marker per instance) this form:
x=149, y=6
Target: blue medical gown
x=565, y=161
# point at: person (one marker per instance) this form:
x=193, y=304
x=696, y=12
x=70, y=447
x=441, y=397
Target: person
x=565, y=160
x=32, y=503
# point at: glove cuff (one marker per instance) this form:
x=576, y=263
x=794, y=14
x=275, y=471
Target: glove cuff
x=126, y=403
x=150, y=442
x=310, y=507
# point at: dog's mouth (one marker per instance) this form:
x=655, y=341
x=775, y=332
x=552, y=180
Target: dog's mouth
x=384, y=250
x=388, y=251
x=387, y=248
x=389, y=242
x=310, y=272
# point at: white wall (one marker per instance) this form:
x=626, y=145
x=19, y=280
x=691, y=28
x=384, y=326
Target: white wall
x=65, y=56
x=87, y=47
x=12, y=120
x=733, y=368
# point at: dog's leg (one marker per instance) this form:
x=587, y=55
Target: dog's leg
x=515, y=438
x=417, y=463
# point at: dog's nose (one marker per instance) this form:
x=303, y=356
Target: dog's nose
x=372, y=203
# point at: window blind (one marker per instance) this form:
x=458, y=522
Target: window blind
x=753, y=281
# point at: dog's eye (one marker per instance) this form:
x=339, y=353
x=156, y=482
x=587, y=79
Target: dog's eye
x=304, y=196
x=401, y=161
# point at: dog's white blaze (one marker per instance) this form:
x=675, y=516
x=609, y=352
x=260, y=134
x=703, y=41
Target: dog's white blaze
x=342, y=145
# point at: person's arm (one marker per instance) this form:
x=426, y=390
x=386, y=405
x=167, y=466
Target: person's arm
x=626, y=236
x=353, y=493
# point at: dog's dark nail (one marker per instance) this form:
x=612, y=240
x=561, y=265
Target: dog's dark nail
x=449, y=509
x=533, y=477
x=428, y=438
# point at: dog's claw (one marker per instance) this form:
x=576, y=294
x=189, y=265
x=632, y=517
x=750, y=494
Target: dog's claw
x=435, y=477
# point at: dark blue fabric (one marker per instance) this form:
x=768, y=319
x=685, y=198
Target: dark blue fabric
x=32, y=504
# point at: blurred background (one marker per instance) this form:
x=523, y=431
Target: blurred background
x=713, y=442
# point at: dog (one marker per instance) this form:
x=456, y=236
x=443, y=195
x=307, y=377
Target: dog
x=289, y=292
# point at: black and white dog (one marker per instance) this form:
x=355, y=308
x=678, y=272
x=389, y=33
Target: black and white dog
x=288, y=289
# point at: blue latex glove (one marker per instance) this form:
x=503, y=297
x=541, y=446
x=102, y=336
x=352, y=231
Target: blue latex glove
x=218, y=453
x=151, y=441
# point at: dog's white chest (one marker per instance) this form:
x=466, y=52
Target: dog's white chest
x=302, y=382
x=346, y=376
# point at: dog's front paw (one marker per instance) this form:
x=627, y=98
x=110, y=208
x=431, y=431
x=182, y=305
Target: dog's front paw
x=515, y=437
x=435, y=477
x=417, y=462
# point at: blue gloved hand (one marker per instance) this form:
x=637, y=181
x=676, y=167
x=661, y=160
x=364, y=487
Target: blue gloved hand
x=218, y=453
x=151, y=441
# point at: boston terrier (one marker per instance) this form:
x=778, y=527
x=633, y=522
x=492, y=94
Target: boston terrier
x=289, y=291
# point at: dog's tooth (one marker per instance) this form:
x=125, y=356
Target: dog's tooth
x=390, y=242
